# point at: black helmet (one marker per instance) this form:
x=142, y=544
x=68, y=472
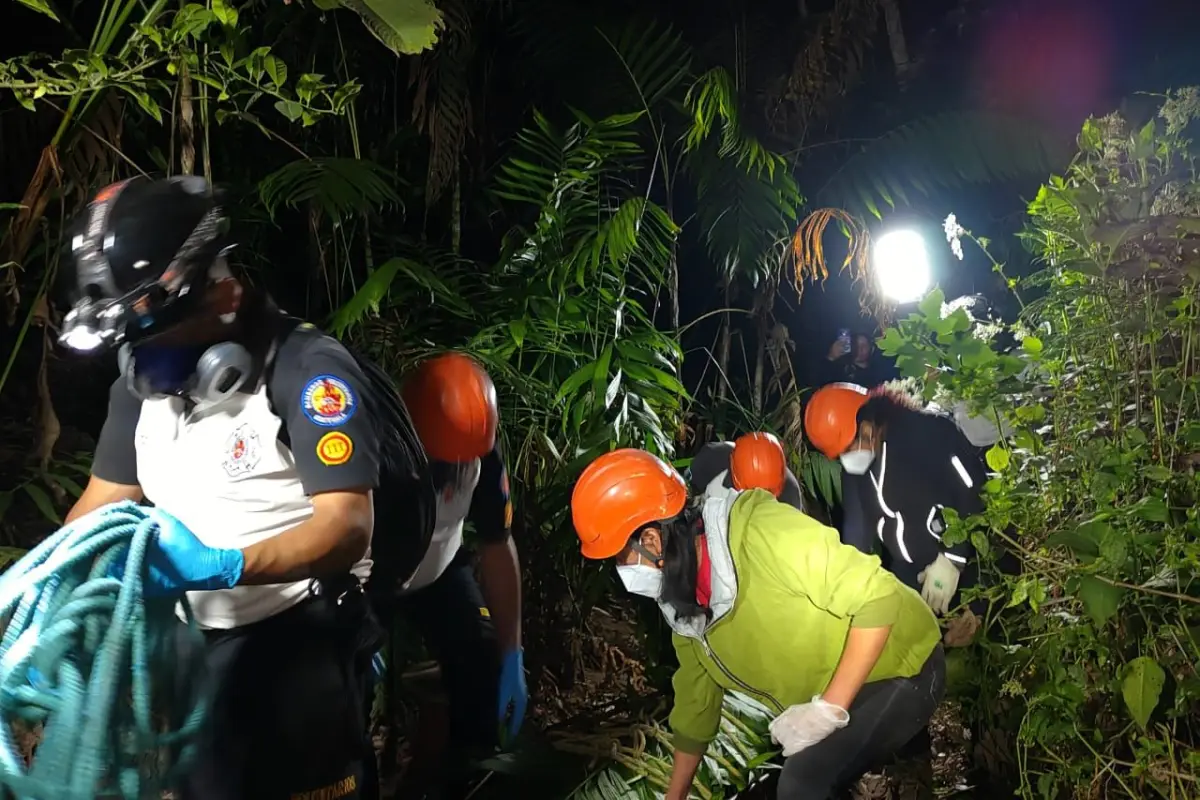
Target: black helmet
x=141, y=251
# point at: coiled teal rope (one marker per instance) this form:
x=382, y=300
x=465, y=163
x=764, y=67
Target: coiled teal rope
x=91, y=660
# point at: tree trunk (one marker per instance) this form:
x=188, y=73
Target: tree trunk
x=456, y=211
x=763, y=304
x=722, y=356
x=673, y=271
x=895, y=32
x=187, y=131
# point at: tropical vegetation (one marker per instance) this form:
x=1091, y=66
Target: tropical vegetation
x=612, y=208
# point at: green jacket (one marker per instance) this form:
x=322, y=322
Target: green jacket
x=785, y=594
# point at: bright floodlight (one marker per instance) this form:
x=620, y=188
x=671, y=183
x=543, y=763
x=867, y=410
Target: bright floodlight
x=902, y=266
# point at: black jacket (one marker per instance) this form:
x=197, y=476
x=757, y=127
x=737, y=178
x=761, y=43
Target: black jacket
x=925, y=464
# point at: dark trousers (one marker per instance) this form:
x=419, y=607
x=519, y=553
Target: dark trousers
x=455, y=623
x=287, y=720
x=884, y=717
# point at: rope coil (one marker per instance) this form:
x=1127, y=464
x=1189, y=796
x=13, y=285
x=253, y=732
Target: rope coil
x=96, y=665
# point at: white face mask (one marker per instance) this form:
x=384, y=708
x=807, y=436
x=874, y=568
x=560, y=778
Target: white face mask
x=641, y=579
x=857, y=462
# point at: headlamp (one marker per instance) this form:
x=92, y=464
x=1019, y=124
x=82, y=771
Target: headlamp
x=90, y=326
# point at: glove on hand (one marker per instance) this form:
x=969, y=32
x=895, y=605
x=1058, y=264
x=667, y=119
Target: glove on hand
x=178, y=562
x=800, y=727
x=939, y=582
x=513, y=690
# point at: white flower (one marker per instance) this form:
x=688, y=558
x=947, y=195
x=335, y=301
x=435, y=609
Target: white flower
x=953, y=232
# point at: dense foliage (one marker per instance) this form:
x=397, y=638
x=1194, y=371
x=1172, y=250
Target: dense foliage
x=1084, y=675
x=396, y=201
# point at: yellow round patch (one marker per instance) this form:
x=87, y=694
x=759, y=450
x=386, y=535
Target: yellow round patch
x=334, y=449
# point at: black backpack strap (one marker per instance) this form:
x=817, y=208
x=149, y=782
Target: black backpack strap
x=406, y=502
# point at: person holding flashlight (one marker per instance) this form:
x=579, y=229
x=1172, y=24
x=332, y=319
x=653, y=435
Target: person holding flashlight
x=901, y=467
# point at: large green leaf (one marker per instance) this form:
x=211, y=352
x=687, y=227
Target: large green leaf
x=1100, y=598
x=1142, y=687
x=406, y=27
x=41, y=7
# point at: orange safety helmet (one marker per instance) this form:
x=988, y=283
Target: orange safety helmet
x=620, y=492
x=758, y=462
x=452, y=402
x=831, y=419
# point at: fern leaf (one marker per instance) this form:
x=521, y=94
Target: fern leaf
x=406, y=27
x=340, y=187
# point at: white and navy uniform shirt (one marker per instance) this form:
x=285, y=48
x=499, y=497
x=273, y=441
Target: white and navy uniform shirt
x=245, y=470
x=474, y=492
x=924, y=465
x=713, y=461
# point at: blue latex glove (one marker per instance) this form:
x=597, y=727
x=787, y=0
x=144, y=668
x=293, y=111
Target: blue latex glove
x=178, y=562
x=513, y=691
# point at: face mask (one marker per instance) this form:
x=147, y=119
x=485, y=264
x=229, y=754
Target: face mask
x=641, y=579
x=166, y=370
x=857, y=462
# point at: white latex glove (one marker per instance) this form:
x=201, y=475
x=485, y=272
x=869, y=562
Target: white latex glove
x=939, y=582
x=800, y=727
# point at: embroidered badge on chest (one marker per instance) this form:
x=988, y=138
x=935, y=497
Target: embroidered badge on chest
x=242, y=451
x=328, y=401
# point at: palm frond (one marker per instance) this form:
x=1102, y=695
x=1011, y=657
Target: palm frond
x=944, y=151
x=418, y=278
x=713, y=100
x=811, y=265
x=441, y=105
x=742, y=215
x=653, y=57
x=340, y=187
x=406, y=27
x=642, y=753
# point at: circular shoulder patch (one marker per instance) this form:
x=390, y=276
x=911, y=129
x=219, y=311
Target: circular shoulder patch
x=328, y=401
x=335, y=449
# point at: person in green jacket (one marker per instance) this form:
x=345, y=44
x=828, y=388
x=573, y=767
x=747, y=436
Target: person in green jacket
x=766, y=601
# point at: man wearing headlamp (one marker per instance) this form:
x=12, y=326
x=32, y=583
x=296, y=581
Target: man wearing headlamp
x=259, y=440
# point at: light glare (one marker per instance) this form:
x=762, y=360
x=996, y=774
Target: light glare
x=82, y=339
x=902, y=266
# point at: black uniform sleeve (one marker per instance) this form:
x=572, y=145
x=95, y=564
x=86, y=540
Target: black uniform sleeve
x=708, y=463
x=320, y=392
x=855, y=531
x=116, y=455
x=967, y=477
x=791, y=493
x=491, y=509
